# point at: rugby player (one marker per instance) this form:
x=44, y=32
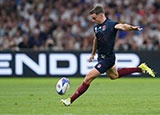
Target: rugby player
x=105, y=31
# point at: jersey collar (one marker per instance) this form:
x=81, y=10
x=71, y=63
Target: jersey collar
x=104, y=21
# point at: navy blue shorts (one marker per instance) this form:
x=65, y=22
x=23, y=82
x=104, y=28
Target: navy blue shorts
x=104, y=64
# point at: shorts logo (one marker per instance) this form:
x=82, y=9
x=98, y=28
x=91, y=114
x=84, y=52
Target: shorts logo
x=102, y=56
x=99, y=65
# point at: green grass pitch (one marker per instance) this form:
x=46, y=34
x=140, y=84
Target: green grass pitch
x=37, y=96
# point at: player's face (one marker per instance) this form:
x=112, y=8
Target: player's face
x=96, y=18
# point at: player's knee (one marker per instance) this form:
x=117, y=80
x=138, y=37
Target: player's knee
x=89, y=78
x=113, y=77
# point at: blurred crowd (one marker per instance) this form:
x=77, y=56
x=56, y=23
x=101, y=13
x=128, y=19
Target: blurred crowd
x=66, y=25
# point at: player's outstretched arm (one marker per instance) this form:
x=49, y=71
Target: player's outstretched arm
x=94, y=49
x=127, y=27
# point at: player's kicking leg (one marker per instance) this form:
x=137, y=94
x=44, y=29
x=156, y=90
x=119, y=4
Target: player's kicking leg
x=85, y=85
x=112, y=73
x=143, y=68
x=146, y=69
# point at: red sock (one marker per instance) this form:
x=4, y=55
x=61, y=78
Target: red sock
x=126, y=71
x=80, y=91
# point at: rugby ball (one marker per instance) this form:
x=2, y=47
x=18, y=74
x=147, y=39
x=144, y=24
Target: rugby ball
x=62, y=86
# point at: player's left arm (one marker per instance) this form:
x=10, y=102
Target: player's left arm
x=127, y=27
x=94, y=49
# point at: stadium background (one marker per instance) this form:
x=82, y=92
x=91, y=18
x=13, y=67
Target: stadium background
x=33, y=27
x=61, y=26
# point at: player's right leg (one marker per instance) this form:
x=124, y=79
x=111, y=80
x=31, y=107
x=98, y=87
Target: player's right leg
x=112, y=72
x=146, y=69
x=143, y=68
x=86, y=83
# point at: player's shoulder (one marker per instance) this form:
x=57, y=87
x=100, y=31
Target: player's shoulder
x=95, y=27
x=111, y=21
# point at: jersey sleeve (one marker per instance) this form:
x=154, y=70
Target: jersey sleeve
x=95, y=29
x=114, y=23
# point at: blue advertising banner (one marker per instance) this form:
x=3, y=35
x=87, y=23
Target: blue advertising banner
x=72, y=64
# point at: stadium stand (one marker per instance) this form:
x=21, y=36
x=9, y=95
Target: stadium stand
x=61, y=25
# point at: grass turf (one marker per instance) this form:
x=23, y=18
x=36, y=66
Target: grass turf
x=37, y=96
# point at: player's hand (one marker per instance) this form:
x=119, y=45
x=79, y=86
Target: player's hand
x=137, y=28
x=91, y=58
